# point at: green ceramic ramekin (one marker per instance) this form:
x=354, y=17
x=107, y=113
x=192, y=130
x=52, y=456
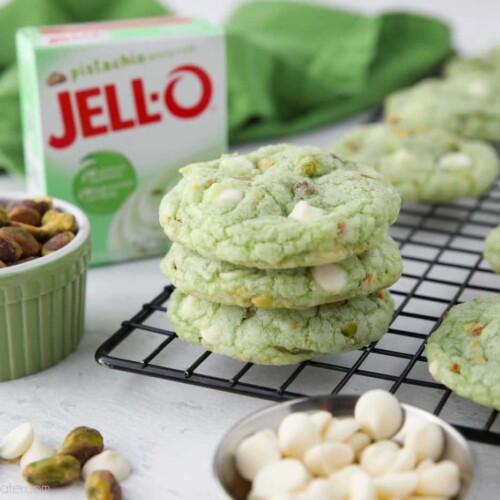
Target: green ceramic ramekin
x=42, y=304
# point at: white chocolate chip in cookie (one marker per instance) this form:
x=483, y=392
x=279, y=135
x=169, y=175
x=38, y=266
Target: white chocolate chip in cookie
x=433, y=368
x=255, y=452
x=331, y=277
x=303, y=212
x=403, y=157
x=17, y=442
x=188, y=305
x=237, y=165
x=230, y=275
x=455, y=160
x=284, y=476
x=231, y=194
x=297, y=433
x=479, y=88
x=426, y=440
x=326, y=458
x=442, y=479
x=379, y=414
x=396, y=485
x=211, y=335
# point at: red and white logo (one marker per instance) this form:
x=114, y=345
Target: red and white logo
x=79, y=110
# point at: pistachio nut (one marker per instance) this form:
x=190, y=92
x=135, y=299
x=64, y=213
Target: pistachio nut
x=102, y=485
x=10, y=250
x=26, y=215
x=58, y=470
x=82, y=443
x=3, y=217
x=57, y=242
x=29, y=245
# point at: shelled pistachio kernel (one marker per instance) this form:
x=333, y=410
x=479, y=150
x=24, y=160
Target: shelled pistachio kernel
x=10, y=250
x=57, y=242
x=102, y=485
x=82, y=443
x=55, y=471
x=25, y=215
x=28, y=243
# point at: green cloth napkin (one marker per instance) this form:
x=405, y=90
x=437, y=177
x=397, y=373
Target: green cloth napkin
x=291, y=66
x=295, y=66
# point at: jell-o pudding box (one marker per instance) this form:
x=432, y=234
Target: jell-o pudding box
x=112, y=110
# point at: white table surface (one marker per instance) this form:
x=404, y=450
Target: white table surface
x=168, y=430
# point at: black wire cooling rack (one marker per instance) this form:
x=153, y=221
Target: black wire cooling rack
x=442, y=248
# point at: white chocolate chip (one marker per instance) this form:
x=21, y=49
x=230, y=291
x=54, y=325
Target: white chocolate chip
x=455, y=160
x=342, y=479
x=109, y=460
x=237, y=165
x=405, y=460
x=255, y=452
x=442, y=479
x=318, y=489
x=379, y=414
x=303, y=212
x=322, y=419
x=285, y=476
x=231, y=194
x=433, y=368
x=230, y=275
x=331, y=277
x=426, y=440
x=341, y=429
x=358, y=442
x=426, y=464
x=188, y=304
x=325, y=458
x=403, y=157
x=362, y=488
x=17, y=442
x=396, y=485
x=211, y=335
x=37, y=451
x=377, y=458
x=478, y=88
x=427, y=497
x=296, y=434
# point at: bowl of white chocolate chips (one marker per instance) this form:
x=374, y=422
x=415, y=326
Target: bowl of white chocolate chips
x=368, y=447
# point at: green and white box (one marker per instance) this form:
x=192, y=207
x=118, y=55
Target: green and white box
x=112, y=110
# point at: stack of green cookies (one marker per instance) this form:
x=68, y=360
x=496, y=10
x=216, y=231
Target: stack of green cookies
x=281, y=255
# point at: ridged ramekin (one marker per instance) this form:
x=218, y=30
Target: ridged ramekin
x=42, y=304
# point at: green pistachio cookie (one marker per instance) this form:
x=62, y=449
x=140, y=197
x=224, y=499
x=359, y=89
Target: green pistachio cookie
x=492, y=249
x=487, y=64
x=280, y=207
x=464, y=352
x=280, y=336
x=468, y=106
x=230, y=284
x=432, y=165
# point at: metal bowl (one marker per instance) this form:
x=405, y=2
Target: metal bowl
x=233, y=486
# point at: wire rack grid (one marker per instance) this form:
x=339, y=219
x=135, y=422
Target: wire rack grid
x=441, y=245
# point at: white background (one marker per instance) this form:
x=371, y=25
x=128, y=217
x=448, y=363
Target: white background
x=169, y=431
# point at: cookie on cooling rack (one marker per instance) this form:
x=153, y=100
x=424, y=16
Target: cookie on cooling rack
x=280, y=336
x=469, y=106
x=463, y=353
x=231, y=284
x=492, y=249
x=280, y=207
x=432, y=165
